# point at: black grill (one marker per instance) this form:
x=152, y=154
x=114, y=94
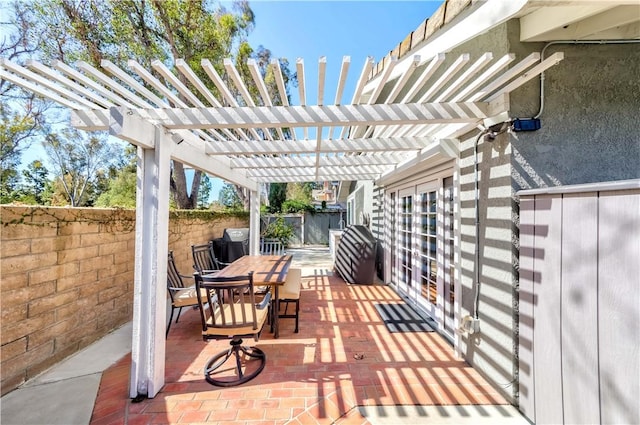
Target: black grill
x=236, y=244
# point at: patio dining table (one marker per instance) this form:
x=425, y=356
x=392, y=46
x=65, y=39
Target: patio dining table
x=268, y=270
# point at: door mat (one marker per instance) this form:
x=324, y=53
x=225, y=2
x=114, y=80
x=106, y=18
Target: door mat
x=402, y=318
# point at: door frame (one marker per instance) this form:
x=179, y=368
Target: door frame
x=391, y=270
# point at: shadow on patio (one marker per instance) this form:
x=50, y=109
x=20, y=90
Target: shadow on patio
x=343, y=357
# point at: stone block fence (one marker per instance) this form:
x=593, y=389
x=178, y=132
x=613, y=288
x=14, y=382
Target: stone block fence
x=66, y=278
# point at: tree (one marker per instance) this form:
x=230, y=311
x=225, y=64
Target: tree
x=229, y=198
x=120, y=193
x=145, y=30
x=78, y=161
x=300, y=191
x=21, y=113
x=35, y=183
x=204, y=192
x=277, y=195
x=121, y=185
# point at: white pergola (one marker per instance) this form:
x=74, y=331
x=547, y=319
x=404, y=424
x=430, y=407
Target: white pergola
x=410, y=112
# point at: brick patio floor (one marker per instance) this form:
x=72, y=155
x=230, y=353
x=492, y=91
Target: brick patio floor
x=343, y=357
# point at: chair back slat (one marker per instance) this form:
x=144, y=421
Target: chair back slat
x=204, y=258
x=270, y=246
x=174, y=280
x=230, y=303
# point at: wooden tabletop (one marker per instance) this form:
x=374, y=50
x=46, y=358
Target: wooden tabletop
x=267, y=269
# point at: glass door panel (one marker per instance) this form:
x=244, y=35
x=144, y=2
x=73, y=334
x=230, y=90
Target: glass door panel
x=449, y=295
x=393, y=237
x=405, y=227
x=427, y=251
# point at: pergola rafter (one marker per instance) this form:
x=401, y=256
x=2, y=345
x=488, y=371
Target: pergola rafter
x=403, y=119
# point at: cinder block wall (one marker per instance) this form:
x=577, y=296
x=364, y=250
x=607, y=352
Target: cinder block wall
x=66, y=278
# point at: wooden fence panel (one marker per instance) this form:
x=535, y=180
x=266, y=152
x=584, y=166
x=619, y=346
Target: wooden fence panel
x=546, y=311
x=580, y=308
x=619, y=307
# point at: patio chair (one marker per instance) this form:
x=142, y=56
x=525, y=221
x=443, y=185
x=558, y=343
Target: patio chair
x=270, y=246
x=230, y=312
x=181, y=294
x=204, y=258
x=290, y=293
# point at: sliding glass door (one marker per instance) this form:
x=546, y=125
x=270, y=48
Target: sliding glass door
x=422, y=258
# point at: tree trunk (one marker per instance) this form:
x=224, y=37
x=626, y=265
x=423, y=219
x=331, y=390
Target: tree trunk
x=243, y=194
x=184, y=200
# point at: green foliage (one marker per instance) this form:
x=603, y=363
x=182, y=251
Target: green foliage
x=36, y=182
x=77, y=161
x=300, y=191
x=17, y=130
x=291, y=206
x=229, y=198
x=277, y=195
x=278, y=229
x=120, y=190
x=204, y=192
x=120, y=193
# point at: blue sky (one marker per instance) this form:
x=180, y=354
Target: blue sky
x=311, y=29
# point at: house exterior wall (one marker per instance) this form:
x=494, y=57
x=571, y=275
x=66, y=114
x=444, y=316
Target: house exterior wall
x=590, y=129
x=66, y=278
x=360, y=202
x=493, y=351
x=589, y=134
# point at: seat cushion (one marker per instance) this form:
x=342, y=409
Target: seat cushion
x=291, y=288
x=247, y=329
x=187, y=297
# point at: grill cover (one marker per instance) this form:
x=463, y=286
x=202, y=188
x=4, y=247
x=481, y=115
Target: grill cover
x=356, y=255
x=236, y=242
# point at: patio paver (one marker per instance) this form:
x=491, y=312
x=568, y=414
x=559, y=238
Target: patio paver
x=343, y=357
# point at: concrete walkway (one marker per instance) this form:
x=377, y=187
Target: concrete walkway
x=66, y=393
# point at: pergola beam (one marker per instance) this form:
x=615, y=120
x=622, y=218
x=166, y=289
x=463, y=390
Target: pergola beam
x=321, y=177
x=322, y=170
x=310, y=161
x=259, y=147
x=313, y=116
x=192, y=156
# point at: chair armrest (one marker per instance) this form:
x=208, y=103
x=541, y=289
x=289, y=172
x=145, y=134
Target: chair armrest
x=222, y=264
x=265, y=301
x=172, y=288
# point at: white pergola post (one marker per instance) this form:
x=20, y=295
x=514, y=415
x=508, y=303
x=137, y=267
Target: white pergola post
x=254, y=222
x=152, y=238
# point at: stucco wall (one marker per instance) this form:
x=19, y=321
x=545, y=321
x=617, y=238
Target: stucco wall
x=362, y=194
x=66, y=278
x=590, y=129
x=492, y=351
